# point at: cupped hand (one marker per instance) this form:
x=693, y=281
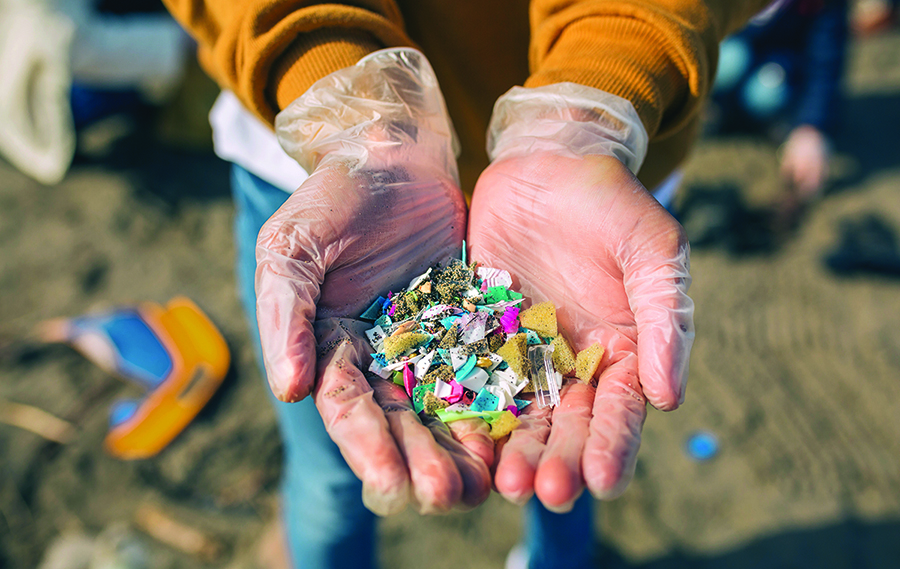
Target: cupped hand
x=381, y=205
x=584, y=234
x=344, y=237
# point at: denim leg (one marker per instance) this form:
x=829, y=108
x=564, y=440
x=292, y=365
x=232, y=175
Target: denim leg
x=560, y=541
x=326, y=523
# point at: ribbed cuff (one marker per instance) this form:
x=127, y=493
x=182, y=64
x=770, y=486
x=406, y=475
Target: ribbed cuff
x=313, y=56
x=626, y=57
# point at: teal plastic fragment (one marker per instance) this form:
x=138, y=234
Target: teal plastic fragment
x=445, y=355
x=373, y=311
x=485, y=401
x=532, y=337
x=448, y=321
x=521, y=403
x=464, y=371
x=384, y=321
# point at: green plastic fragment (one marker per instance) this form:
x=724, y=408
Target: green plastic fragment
x=419, y=392
x=450, y=416
x=496, y=294
x=397, y=377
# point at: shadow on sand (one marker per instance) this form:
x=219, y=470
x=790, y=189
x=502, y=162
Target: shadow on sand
x=850, y=544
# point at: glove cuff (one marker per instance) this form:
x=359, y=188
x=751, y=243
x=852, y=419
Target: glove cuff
x=389, y=99
x=566, y=118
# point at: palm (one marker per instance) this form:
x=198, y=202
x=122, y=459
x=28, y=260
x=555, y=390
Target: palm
x=583, y=234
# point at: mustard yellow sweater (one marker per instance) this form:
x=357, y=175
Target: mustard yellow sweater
x=659, y=54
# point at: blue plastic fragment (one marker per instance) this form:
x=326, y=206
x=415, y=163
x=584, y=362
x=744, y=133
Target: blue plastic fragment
x=702, y=446
x=380, y=359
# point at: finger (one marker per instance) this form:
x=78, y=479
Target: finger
x=287, y=288
x=619, y=411
x=472, y=467
x=656, y=280
x=357, y=423
x=437, y=485
x=517, y=458
x=559, y=481
x=475, y=436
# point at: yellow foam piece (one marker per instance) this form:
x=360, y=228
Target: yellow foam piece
x=504, y=425
x=398, y=345
x=541, y=318
x=563, y=356
x=587, y=361
x=515, y=353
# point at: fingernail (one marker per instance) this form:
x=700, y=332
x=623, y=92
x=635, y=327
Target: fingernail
x=383, y=502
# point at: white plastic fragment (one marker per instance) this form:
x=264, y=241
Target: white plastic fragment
x=495, y=277
x=376, y=337
x=375, y=368
x=424, y=364
x=475, y=380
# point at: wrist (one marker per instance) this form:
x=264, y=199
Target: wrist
x=387, y=100
x=569, y=119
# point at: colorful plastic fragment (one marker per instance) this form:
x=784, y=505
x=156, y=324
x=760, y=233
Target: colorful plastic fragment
x=504, y=425
x=515, y=353
x=587, y=361
x=400, y=344
x=563, y=356
x=541, y=318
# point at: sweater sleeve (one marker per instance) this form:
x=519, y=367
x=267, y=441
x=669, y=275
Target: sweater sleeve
x=659, y=54
x=269, y=52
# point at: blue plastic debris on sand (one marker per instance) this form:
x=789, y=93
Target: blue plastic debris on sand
x=702, y=446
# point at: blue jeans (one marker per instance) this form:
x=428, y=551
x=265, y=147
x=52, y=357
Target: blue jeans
x=326, y=523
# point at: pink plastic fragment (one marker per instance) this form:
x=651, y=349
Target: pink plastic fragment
x=409, y=379
x=456, y=391
x=513, y=409
x=510, y=320
x=392, y=310
x=484, y=286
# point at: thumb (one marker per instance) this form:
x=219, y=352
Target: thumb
x=288, y=276
x=657, y=278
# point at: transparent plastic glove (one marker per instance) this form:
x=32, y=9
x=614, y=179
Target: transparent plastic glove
x=381, y=204
x=559, y=209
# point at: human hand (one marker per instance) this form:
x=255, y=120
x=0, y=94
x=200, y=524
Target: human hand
x=382, y=204
x=804, y=162
x=581, y=232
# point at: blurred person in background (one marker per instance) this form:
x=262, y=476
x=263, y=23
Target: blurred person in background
x=870, y=17
x=368, y=187
x=68, y=64
x=781, y=76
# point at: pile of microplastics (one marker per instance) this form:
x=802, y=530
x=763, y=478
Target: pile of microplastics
x=458, y=342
